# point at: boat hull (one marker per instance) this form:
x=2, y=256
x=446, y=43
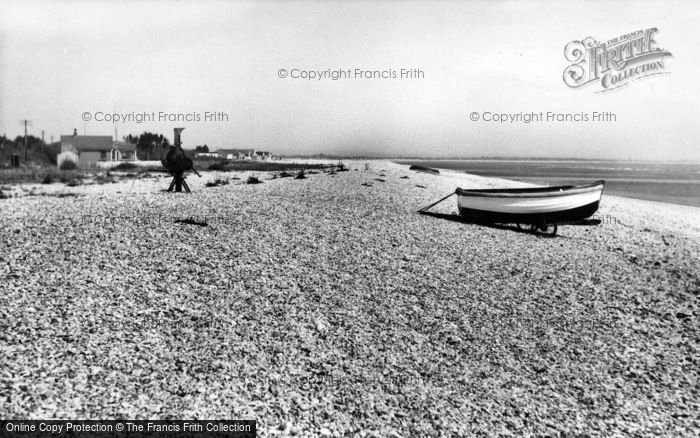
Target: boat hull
x=542, y=205
x=570, y=215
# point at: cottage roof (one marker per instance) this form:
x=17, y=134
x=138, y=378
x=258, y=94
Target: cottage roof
x=88, y=143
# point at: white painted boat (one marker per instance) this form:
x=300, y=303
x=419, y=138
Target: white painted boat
x=538, y=205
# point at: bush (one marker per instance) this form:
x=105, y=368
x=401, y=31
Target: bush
x=254, y=180
x=125, y=166
x=104, y=179
x=285, y=175
x=218, y=182
x=220, y=166
x=301, y=174
x=47, y=180
x=68, y=165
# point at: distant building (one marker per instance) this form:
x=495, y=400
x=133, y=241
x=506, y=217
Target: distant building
x=206, y=155
x=263, y=155
x=87, y=150
x=236, y=154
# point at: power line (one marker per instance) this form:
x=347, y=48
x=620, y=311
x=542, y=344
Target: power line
x=25, y=122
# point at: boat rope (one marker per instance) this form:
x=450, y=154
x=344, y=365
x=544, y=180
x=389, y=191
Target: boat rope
x=435, y=203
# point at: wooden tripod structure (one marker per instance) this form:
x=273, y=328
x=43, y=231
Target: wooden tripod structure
x=178, y=183
x=177, y=163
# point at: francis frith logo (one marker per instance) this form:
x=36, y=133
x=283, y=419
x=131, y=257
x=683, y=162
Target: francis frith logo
x=614, y=63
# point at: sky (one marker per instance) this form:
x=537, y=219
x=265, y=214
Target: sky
x=59, y=60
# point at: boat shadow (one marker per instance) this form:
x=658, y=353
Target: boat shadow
x=500, y=226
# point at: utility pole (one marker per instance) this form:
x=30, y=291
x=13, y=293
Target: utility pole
x=25, y=122
x=42, y=142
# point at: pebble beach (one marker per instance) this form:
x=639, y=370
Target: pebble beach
x=327, y=306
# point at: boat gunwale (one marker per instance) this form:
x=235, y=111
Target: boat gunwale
x=532, y=192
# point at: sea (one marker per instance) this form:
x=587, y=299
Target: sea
x=677, y=183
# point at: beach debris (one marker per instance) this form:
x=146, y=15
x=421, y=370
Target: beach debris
x=252, y=179
x=320, y=325
x=420, y=186
x=191, y=221
x=379, y=179
x=60, y=195
x=404, y=177
x=366, y=184
x=301, y=174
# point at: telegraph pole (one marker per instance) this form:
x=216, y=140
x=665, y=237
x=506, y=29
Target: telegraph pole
x=25, y=122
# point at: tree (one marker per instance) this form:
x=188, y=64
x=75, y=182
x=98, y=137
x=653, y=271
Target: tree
x=202, y=149
x=38, y=151
x=131, y=139
x=149, y=145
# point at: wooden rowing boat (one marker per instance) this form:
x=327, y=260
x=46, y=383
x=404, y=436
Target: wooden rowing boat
x=538, y=206
x=424, y=169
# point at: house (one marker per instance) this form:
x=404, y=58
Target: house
x=206, y=155
x=263, y=155
x=87, y=150
x=122, y=151
x=236, y=154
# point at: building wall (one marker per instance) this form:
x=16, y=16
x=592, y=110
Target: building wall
x=89, y=159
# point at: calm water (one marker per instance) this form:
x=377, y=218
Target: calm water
x=665, y=182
